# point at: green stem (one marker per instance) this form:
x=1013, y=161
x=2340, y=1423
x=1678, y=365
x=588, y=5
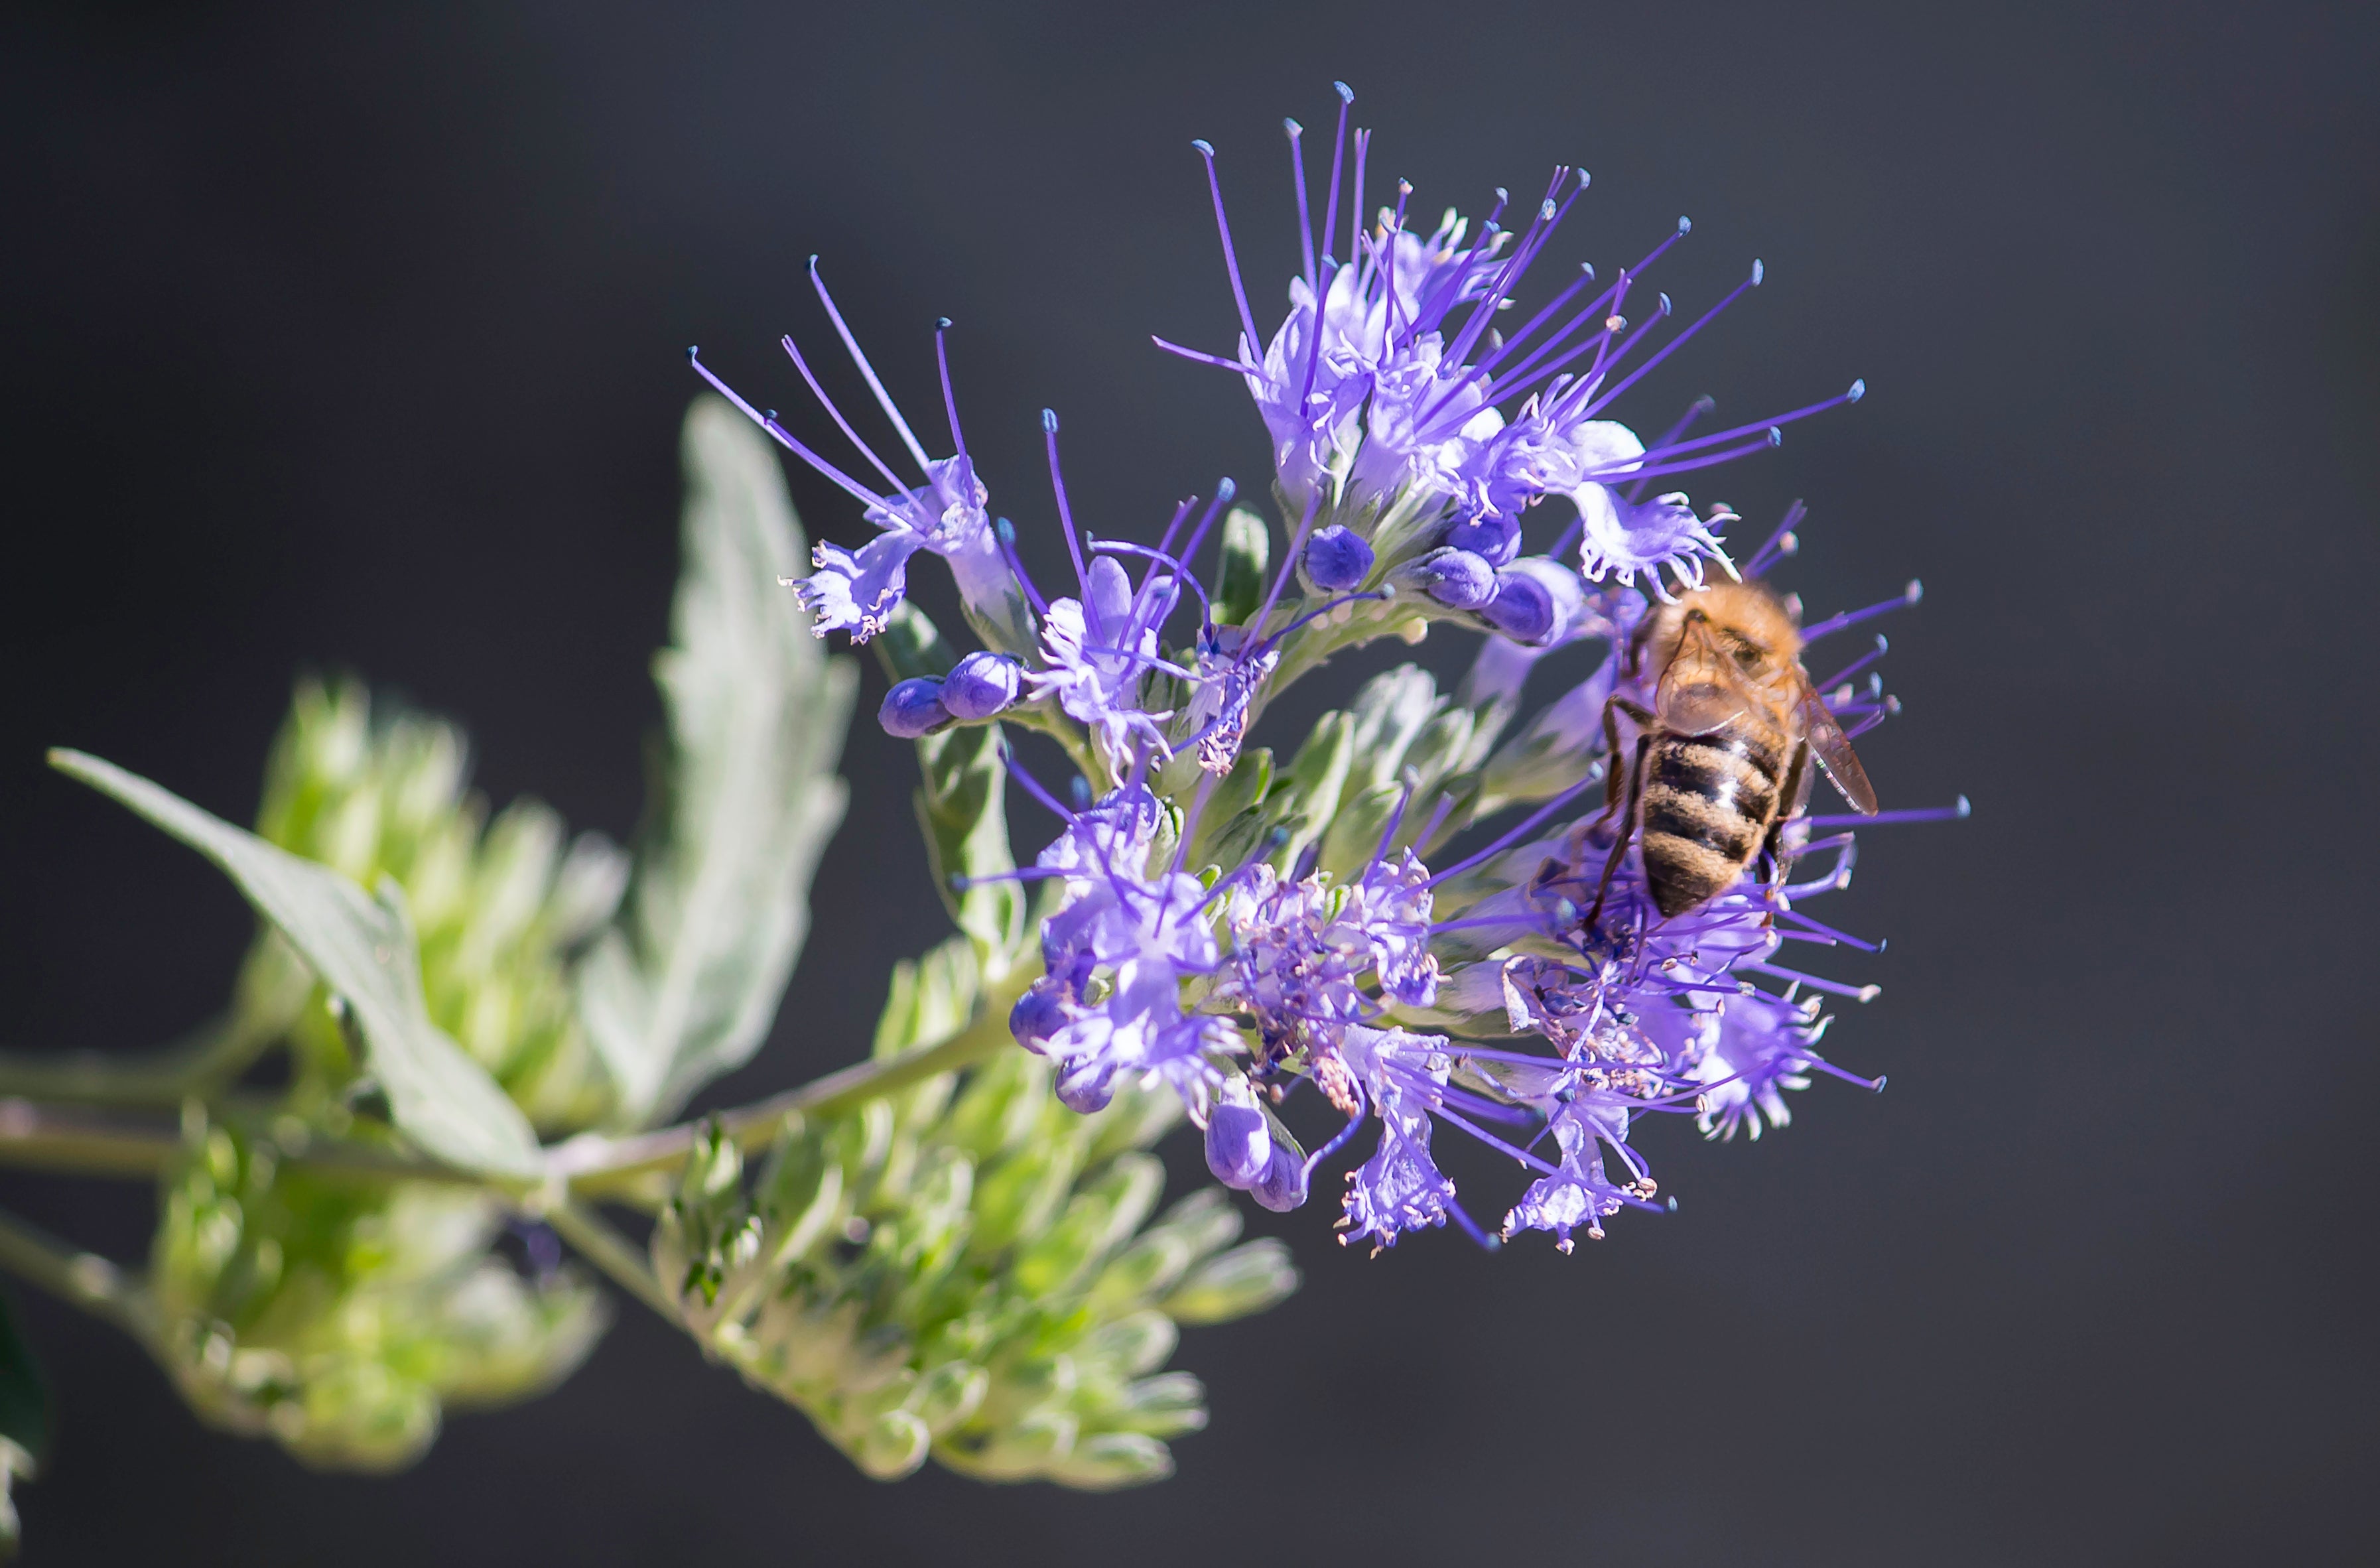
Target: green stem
x=209, y=1058
x=82, y=1279
x=72, y=1141
x=600, y=1244
x=592, y=1163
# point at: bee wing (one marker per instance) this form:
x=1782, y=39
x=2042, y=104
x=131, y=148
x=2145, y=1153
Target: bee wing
x=1700, y=688
x=1833, y=750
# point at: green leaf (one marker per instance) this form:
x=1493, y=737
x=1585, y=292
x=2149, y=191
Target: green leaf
x=684, y=987
x=1241, y=581
x=363, y=947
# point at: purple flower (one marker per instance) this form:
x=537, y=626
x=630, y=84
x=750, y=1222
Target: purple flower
x=1401, y=1187
x=1383, y=388
x=857, y=591
x=1759, y=1048
x=1304, y=952
x=1099, y=649
x=1115, y=955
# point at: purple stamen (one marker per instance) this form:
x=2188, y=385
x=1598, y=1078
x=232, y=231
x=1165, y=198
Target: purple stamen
x=950, y=399
x=1963, y=810
x=866, y=370
x=842, y=480
x=1231, y=261
x=835, y=414
x=1778, y=545
x=1304, y=212
x=1004, y=533
x=1512, y=836
x=1907, y=596
x=1239, y=367
x=1058, y=484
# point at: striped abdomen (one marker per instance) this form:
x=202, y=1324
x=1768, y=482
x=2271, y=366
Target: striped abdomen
x=1709, y=802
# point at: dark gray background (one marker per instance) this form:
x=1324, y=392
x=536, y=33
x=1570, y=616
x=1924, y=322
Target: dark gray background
x=354, y=343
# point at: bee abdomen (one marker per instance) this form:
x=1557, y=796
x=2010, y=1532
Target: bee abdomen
x=1706, y=807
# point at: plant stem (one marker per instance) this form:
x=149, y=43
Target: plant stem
x=211, y=1056
x=82, y=1279
x=590, y=1164
x=600, y=1244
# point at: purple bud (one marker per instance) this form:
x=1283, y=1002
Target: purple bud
x=981, y=685
x=1087, y=1086
x=1456, y=578
x=1522, y=609
x=1038, y=1013
x=1238, y=1144
x=1283, y=1186
x=1336, y=559
x=1496, y=538
x=914, y=708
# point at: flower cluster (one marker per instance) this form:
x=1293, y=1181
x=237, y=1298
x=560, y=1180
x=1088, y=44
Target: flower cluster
x=1233, y=929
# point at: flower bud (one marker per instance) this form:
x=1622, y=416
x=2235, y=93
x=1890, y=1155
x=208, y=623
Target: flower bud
x=1456, y=578
x=1281, y=1187
x=913, y=709
x=1523, y=608
x=981, y=685
x=1238, y=1142
x=1496, y=538
x=1247, y=1279
x=1336, y=560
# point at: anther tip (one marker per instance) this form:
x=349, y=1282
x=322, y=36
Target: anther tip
x=941, y=323
x=958, y=881
x=1880, y=1081
x=694, y=351
x=770, y=415
x=1206, y=149
x=1502, y=194
x=1868, y=994
x=1914, y=591
x=1685, y=224
x=1966, y=806
x=1346, y=93
x=1775, y=436
x=1004, y=531
x=1858, y=391
x=1546, y=209
x=1585, y=179
x=813, y=260
x=1292, y=127
x=1049, y=421
x=1587, y=269
x=1225, y=488
x=1666, y=306
x=1881, y=645
x=1673, y=1205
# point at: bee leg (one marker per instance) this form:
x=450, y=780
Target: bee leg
x=1773, y=849
x=1619, y=843
x=1612, y=708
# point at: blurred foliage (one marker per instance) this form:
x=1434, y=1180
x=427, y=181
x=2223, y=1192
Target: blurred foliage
x=965, y=1268
x=498, y=905
x=338, y=1317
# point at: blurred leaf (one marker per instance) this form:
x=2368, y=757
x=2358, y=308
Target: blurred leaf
x=1240, y=580
x=362, y=948
x=685, y=989
x=962, y=801
x=24, y=1423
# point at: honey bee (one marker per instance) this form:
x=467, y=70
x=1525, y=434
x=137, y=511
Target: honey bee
x=1721, y=760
